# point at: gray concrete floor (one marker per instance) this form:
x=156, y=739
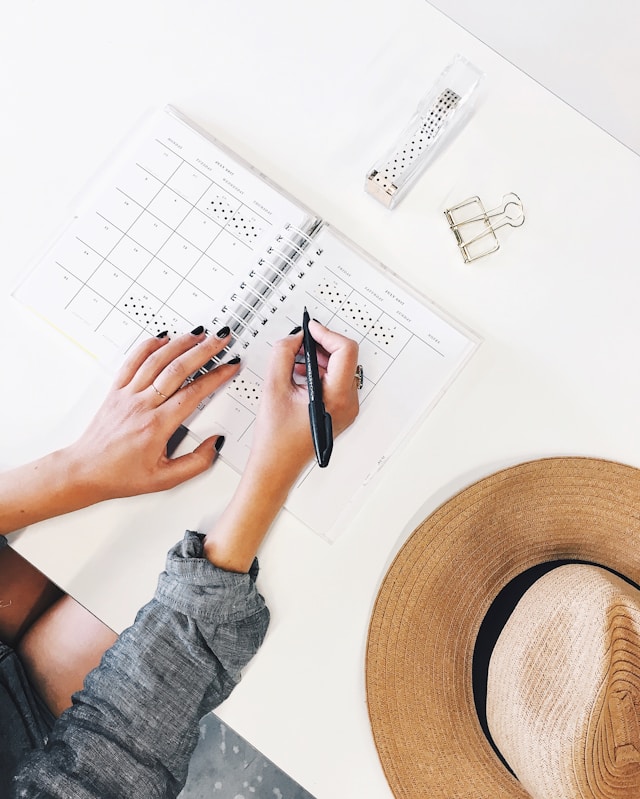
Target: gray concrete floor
x=226, y=766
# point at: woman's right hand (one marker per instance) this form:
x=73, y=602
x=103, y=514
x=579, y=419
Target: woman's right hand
x=282, y=442
x=282, y=445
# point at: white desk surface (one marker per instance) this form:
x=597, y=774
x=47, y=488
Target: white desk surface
x=313, y=100
x=586, y=53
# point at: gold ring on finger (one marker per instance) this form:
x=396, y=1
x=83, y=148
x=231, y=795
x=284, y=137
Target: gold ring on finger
x=159, y=393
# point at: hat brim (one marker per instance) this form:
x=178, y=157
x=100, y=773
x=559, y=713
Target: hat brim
x=439, y=588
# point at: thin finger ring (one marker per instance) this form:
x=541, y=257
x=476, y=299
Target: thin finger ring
x=359, y=376
x=159, y=393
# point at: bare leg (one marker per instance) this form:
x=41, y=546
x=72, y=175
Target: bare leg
x=58, y=640
x=61, y=648
x=25, y=593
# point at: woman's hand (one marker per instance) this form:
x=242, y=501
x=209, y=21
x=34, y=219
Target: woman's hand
x=282, y=444
x=123, y=451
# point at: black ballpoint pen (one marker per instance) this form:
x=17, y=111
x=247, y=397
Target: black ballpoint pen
x=321, y=427
x=176, y=439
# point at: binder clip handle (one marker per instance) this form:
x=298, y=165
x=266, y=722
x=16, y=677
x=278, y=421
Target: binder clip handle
x=512, y=210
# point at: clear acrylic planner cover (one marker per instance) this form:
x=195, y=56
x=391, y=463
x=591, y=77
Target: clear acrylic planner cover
x=183, y=232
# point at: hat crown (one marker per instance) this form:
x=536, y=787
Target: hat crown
x=563, y=694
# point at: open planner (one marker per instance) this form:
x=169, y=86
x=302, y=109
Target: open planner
x=183, y=232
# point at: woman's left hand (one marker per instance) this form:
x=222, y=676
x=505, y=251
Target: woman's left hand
x=123, y=451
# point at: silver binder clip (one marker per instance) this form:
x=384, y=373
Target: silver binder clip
x=475, y=228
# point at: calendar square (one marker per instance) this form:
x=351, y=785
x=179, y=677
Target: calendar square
x=109, y=282
x=192, y=304
x=120, y=329
x=119, y=209
x=229, y=251
x=357, y=311
x=199, y=229
x=169, y=207
x=376, y=359
x=138, y=184
x=140, y=305
x=179, y=254
x=219, y=205
x=330, y=290
x=129, y=256
x=211, y=277
x=149, y=232
x=99, y=234
x=159, y=279
x=189, y=183
x=246, y=226
x=76, y=258
x=89, y=306
x=387, y=334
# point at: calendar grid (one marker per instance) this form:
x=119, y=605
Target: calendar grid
x=154, y=286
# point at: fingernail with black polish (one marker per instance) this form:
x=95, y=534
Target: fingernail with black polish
x=234, y=361
x=196, y=331
x=295, y=330
x=164, y=334
x=219, y=443
x=223, y=332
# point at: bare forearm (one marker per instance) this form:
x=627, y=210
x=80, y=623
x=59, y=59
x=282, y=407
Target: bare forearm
x=47, y=487
x=233, y=542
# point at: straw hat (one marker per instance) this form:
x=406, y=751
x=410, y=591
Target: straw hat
x=487, y=659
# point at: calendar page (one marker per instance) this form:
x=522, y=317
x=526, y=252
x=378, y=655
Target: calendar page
x=184, y=233
x=167, y=239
